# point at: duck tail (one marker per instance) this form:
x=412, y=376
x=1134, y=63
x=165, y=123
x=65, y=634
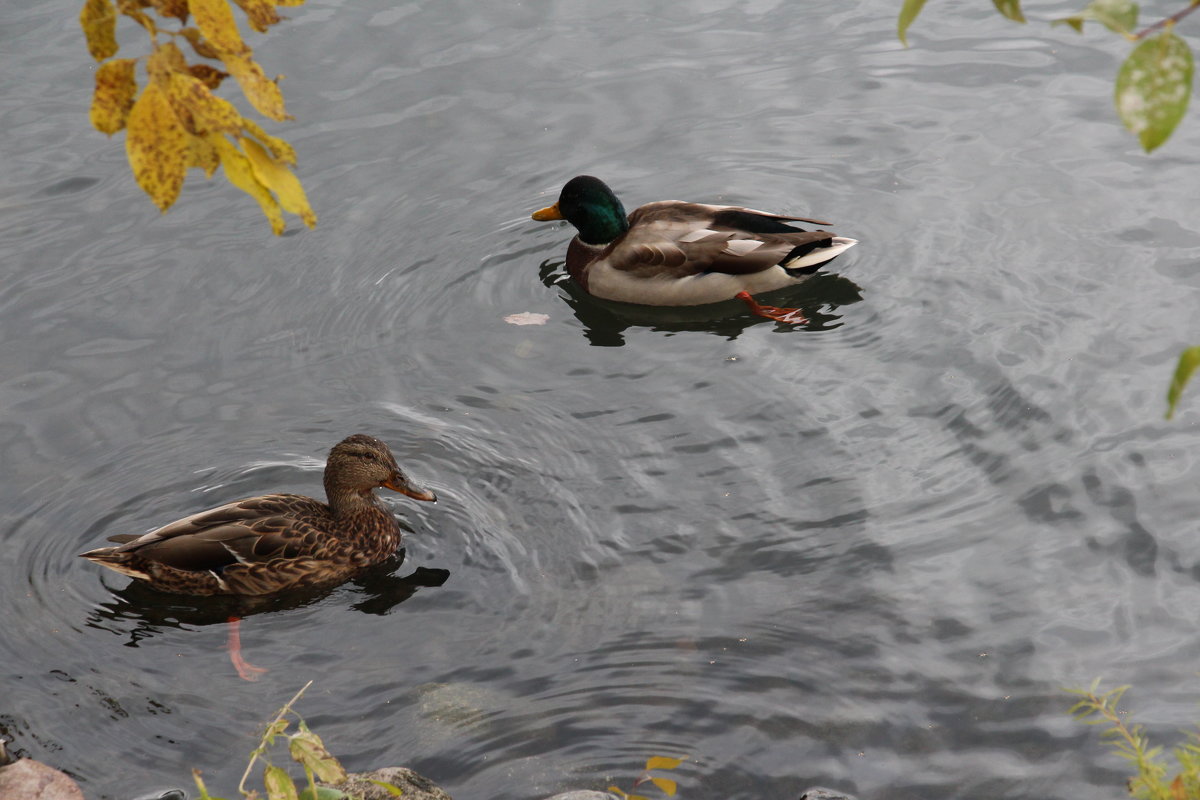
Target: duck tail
x=807, y=257
x=123, y=563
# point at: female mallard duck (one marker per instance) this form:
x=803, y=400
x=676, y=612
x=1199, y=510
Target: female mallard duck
x=673, y=253
x=277, y=541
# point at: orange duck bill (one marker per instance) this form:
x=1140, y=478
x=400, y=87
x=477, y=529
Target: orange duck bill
x=399, y=482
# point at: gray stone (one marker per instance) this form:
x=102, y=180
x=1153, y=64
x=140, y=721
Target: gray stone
x=413, y=786
x=824, y=794
x=27, y=779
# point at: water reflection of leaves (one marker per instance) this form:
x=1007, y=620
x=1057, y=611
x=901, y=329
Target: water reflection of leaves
x=141, y=613
x=605, y=321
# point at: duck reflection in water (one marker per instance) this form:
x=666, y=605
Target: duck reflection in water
x=151, y=611
x=605, y=321
x=274, y=545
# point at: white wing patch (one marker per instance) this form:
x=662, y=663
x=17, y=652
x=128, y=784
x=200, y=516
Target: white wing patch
x=740, y=247
x=697, y=235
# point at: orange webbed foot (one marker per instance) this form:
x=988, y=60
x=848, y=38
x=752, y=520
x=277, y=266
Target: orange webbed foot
x=245, y=670
x=792, y=316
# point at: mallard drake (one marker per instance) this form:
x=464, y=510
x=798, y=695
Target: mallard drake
x=275, y=542
x=673, y=253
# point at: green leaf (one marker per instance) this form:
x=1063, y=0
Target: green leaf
x=204, y=795
x=323, y=793
x=1119, y=16
x=1153, y=88
x=306, y=747
x=908, y=13
x=1010, y=9
x=1189, y=360
x=278, y=784
x=276, y=728
x=390, y=788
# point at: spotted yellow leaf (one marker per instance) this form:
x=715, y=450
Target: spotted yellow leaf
x=241, y=174
x=262, y=92
x=203, y=153
x=261, y=13
x=279, y=179
x=211, y=77
x=116, y=87
x=99, y=21
x=216, y=22
x=164, y=61
x=156, y=144
x=133, y=10
x=278, y=147
x=171, y=8
x=208, y=113
x=196, y=40
x=289, y=2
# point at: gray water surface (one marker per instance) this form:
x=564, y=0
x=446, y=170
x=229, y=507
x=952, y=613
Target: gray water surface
x=865, y=554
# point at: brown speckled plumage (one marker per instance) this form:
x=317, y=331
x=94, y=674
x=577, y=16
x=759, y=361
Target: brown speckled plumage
x=275, y=542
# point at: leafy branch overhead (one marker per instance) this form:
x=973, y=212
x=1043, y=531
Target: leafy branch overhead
x=1154, y=83
x=177, y=122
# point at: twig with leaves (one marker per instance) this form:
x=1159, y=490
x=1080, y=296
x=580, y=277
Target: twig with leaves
x=177, y=122
x=307, y=749
x=1153, y=84
x=1130, y=742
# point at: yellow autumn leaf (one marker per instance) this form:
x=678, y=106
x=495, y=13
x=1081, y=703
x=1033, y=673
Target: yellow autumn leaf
x=196, y=40
x=209, y=113
x=116, y=87
x=241, y=174
x=261, y=13
x=279, y=179
x=662, y=762
x=211, y=77
x=289, y=2
x=171, y=8
x=262, y=92
x=166, y=60
x=215, y=20
x=203, y=153
x=666, y=784
x=157, y=147
x=133, y=10
x=99, y=21
x=278, y=147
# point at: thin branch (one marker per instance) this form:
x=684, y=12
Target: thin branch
x=263, y=742
x=1171, y=20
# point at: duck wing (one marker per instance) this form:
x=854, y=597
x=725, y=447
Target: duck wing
x=249, y=531
x=675, y=239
